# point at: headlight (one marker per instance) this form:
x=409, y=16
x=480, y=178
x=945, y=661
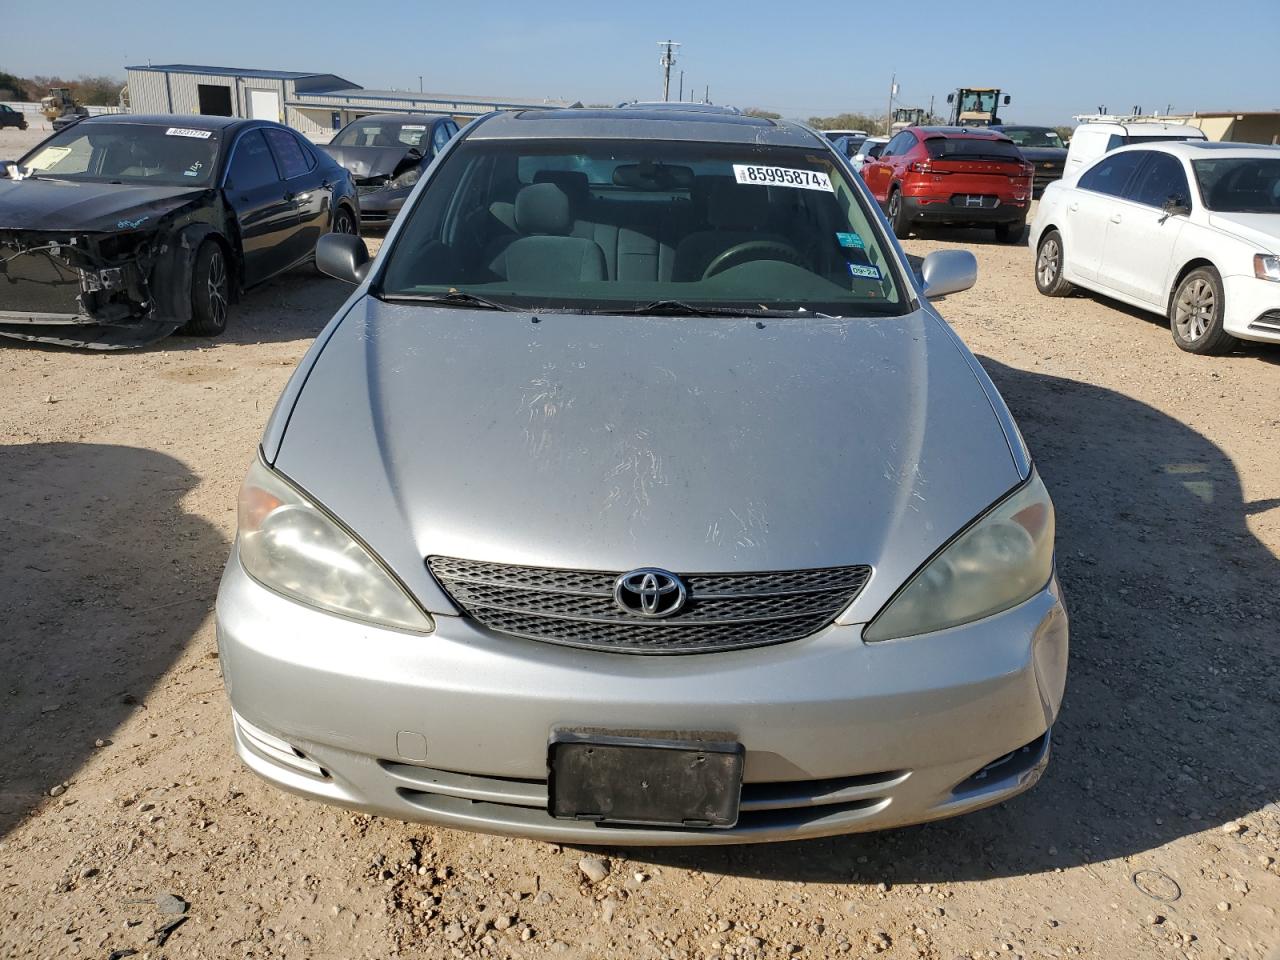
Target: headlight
x=408, y=178
x=1003, y=558
x=1266, y=266
x=295, y=548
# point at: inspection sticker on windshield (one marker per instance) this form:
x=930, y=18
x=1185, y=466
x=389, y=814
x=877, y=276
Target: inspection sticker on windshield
x=781, y=177
x=862, y=270
x=184, y=132
x=851, y=240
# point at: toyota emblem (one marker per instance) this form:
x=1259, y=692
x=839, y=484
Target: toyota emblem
x=650, y=592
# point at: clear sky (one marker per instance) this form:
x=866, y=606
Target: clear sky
x=800, y=58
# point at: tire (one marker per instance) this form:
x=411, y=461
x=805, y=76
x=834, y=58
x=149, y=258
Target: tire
x=1011, y=232
x=897, y=214
x=210, y=292
x=344, y=221
x=1048, y=266
x=1196, y=311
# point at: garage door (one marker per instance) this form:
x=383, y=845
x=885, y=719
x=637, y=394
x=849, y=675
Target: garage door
x=264, y=105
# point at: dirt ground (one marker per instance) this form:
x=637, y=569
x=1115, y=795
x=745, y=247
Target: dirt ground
x=1153, y=834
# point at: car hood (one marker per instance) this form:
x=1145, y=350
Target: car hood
x=1041, y=154
x=368, y=162
x=612, y=442
x=36, y=204
x=1260, y=229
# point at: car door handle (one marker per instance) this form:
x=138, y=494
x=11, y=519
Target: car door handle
x=1115, y=218
x=1074, y=207
x=290, y=195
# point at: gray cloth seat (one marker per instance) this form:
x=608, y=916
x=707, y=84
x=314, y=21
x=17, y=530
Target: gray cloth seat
x=545, y=251
x=737, y=213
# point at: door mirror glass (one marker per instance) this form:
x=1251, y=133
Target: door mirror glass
x=344, y=256
x=948, y=271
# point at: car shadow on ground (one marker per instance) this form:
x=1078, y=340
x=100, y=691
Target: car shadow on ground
x=1172, y=709
x=104, y=579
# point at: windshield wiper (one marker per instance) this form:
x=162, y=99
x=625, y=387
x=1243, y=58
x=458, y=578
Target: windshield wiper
x=678, y=308
x=455, y=298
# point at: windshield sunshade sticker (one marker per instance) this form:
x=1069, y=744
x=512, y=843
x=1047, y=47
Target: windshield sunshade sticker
x=864, y=270
x=185, y=132
x=48, y=157
x=759, y=176
x=851, y=241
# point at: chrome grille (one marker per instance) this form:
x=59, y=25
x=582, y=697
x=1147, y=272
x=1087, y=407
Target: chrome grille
x=725, y=611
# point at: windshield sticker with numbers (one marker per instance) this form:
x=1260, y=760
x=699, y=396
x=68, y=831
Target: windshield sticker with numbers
x=48, y=158
x=184, y=132
x=851, y=241
x=861, y=270
x=781, y=177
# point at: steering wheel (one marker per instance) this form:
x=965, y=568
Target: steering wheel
x=752, y=250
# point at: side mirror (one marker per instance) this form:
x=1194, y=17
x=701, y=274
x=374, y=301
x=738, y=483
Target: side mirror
x=4, y=167
x=1176, y=207
x=951, y=98
x=948, y=271
x=343, y=256
x=1007, y=99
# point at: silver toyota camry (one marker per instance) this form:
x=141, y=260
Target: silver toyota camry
x=639, y=495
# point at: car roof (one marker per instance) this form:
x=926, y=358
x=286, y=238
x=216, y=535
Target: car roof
x=959, y=133
x=403, y=117
x=641, y=124
x=1137, y=126
x=187, y=120
x=1204, y=149
x=679, y=105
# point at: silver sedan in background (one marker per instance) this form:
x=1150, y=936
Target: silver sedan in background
x=639, y=495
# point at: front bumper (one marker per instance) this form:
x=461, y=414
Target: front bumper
x=453, y=728
x=942, y=210
x=1252, y=308
x=379, y=208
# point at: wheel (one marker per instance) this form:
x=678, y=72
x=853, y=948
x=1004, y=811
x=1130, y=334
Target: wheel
x=210, y=292
x=897, y=215
x=1049, y=266
x=343, y=221
x=1011, y=232
x=1196, y=311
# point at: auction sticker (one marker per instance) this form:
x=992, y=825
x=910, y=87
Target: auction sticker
x=185, y=132
x=861, y=270
x=48, y=157
x=781, y=177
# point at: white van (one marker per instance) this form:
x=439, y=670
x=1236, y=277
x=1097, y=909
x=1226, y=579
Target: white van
x=1095, y=137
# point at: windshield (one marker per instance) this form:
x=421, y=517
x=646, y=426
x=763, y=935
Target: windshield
x=382, y=133
x=135, y=153
x=1033, y=137
x=978, y=101
x=605, y=225
x=1239, y=184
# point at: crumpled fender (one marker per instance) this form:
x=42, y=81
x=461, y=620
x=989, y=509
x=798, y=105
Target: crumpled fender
x=171, y=277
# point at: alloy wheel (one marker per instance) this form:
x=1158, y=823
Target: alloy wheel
x=1194, y=311
x=1047, y=263
x=217, y=291
x=342, y=222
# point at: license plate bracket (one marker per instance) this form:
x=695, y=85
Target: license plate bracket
x=668, y=779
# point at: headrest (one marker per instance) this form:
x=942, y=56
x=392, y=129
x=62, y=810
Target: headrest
x=733, y=206
x=572, y=182
x=543, y=208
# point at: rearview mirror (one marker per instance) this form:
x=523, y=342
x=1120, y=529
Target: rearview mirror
x=948, y=271
x=1176, y=207
x=344, y=256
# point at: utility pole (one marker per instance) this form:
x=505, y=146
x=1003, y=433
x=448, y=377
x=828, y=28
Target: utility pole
x=681, y=97
x=419, y=83
x=668, y=61
x=929, y=119
x=706, y=95
x=893, y=92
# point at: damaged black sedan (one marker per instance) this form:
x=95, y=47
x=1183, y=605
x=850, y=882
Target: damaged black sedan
x=386, y=153
x=122, y=229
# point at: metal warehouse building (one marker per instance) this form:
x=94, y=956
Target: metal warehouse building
x=313, y=103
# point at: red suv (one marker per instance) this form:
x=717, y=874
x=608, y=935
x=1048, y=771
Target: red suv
x=961, y=176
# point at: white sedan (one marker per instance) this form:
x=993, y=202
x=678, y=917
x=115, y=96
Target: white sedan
x=1188, y=230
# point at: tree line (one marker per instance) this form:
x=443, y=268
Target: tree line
x=89, y=90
